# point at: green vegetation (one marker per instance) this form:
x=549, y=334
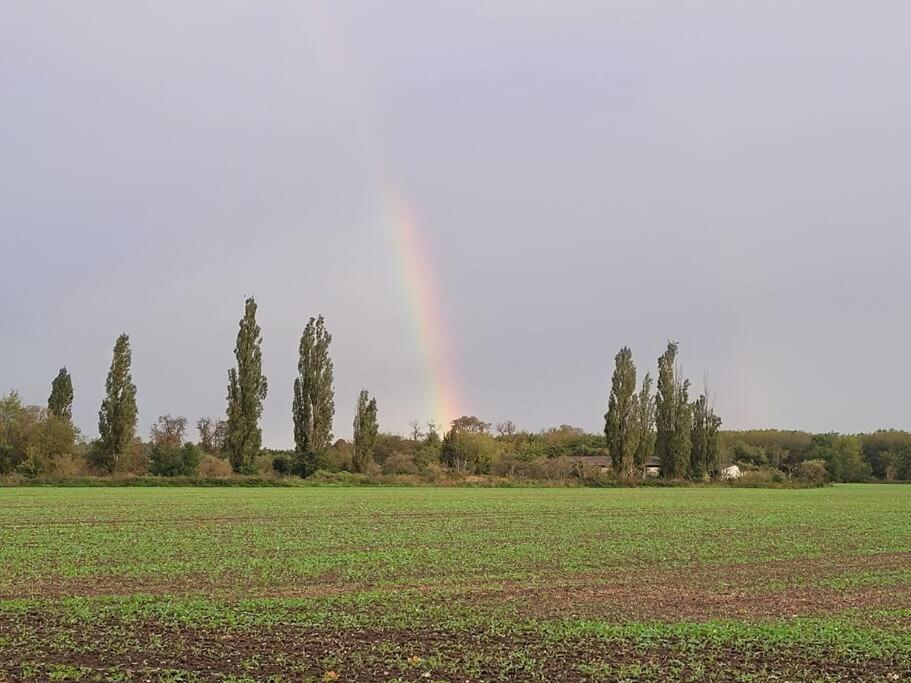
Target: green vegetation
x=671, y=416
x=644, y=435
x=118, y=414
x=60, y=402
x=247, y=389
x=620, y=426
x=314, y=397
x=455, y=584
x=366, y=430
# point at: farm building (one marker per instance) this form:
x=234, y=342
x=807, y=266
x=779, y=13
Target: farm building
x=652, y=467
x=731, y=472
x=602, y=462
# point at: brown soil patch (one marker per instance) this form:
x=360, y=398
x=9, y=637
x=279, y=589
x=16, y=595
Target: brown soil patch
x=299, y=653
x=680, y=603
x=778, y=589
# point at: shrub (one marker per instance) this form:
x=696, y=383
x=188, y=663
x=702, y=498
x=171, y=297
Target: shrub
x=754, y=478
x=752, y=455
x=507, y=465
x=549, y=469
x=427, y=455
x=66, y=466
x=812, y=471
x=166, y=460
x=282, y=463
x=531, y=450
x=771, y=479
x=307, y=464
x=469, y=451
x=262, y=465
x=434, y=472
x=31, y=467
x=8, y=459
x=399, y=463
x=135, y=462
x=211, y=466
x=562, y=469
x=96, y=460
x=340, y=478
x=337, y=457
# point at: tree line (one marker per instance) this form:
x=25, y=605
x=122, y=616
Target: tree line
x=239, y=436
x=647, y=425
x=638, y=426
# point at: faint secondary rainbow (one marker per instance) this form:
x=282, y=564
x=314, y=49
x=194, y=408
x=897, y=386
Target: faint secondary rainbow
x=424, y=305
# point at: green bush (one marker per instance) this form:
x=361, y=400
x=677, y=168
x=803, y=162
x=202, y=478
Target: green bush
x=400, y=463
x=166, y=460
x=282, y=463
x=767, y=478
x=469, y=451
x=31, y=467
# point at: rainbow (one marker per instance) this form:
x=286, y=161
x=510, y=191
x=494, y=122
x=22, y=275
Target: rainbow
x=424, y=304
x=400, y=225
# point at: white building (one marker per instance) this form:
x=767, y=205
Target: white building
x=731, y=472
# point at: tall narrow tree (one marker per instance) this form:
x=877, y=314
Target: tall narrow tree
x=60, y=402
x=683, y=426
x=705, y=435
x=619, y=422
x=366, y=429
x=665, y=411
x=118, y=414
x=704, y=459
x=713, y=424
x=699, y=455
x=645, y=424
x=313, y=407
x=247, y=389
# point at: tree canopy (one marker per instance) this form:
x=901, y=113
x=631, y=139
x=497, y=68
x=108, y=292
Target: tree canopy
x=118, y=414
x=247, y=388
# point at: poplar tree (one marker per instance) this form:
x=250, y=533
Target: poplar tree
x=118, y=414
x=60, y=402
x=673, y=417
x=683, y=424
x=665, y=411
x=246, y=392
x=699, y=455
x=366, y=429
x=645, y=424
x=313, y=407
x=712, y=425
x=704, y=459
x=619, y=422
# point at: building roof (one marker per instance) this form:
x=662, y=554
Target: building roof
x=601, y=460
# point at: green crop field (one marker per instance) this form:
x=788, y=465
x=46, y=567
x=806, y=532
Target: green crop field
x=455, y=584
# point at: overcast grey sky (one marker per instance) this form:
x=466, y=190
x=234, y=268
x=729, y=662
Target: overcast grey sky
x=732, y=175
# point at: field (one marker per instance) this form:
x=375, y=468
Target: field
x=427, y=584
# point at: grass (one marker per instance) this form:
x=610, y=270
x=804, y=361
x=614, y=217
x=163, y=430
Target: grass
x=455, y=584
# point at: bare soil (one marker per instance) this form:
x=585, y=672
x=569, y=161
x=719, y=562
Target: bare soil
x=299, y=653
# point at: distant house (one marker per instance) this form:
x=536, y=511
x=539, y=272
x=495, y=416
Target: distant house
x=602, y=462
x=731, y=472
x=652, y=467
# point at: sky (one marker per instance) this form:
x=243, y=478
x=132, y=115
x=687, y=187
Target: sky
x=485, y=200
